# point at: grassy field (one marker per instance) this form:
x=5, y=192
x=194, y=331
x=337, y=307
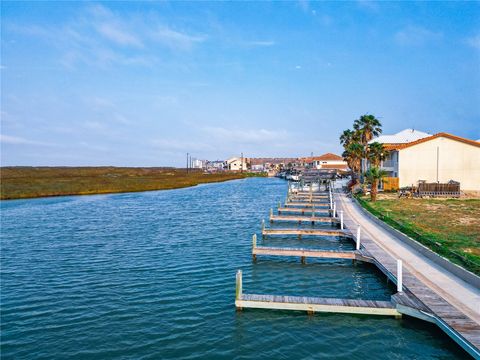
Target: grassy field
x=30, y=182
x=450, y=227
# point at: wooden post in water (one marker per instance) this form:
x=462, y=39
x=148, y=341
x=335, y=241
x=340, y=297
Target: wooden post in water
x=341, y=219
x=399, y=276
x=254, y=245
x=358, y=238
x=238, y=287
x=334, y=209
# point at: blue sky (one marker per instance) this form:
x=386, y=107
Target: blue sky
x=141, y=84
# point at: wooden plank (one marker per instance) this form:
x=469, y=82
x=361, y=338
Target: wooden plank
x=302, y=210
x=313, y=219
x=308, y=205
x=310, y=253
x=307, y=232
x=313, y=304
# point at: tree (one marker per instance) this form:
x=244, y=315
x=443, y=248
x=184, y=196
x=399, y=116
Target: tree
x=353, y=155
x=372, y=177
x=348, y=137
x=376, y=153
x=368, y=127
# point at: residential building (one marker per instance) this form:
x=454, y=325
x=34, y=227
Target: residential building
x=236, y=164
x=433, y=158
x=325, y=161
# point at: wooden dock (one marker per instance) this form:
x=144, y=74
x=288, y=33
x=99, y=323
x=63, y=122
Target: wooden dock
x=310, y=253
x=309, y=205
x=306, y=232
x=413, y=298
x=419, y=301
x=302, y=210
x=303, y=219
x=315, y=304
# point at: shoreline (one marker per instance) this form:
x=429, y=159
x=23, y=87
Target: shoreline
x=34, y=183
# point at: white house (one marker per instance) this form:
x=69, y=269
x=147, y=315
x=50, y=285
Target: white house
x=434, y=158
x=236, y=164
x=326, y=161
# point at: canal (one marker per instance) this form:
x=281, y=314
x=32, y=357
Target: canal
x=152, y=275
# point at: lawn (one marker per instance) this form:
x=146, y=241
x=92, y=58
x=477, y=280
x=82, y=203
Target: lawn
x=30, y=182
x=450, y=227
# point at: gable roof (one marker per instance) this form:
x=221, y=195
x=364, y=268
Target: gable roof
x=324, y=157
x=444, y=135
x=402, y=137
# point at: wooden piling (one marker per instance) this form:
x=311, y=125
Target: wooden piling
x=399, y=276
x=357, y=240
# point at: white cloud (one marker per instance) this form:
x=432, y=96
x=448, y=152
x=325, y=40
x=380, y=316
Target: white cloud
x=180, y=145
x=368, y=5
x=255, y=136
x=416, y=36
x=175, y=39
x=115, y=33
x=16, y=140
x=474, y=41
x=265, y=43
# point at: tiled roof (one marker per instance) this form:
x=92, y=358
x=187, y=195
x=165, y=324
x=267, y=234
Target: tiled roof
x=445, y=135
x=324, y=157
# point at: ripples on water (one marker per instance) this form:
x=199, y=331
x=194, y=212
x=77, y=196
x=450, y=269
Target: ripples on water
x=152, y=276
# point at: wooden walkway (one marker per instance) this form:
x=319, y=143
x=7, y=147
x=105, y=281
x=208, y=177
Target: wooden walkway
x=306, y=232
x=300, y=219
x=422, y=302
x=308, y=205
x=310, y=253
x=315, y=304
x=302, y=210
x=415, y=298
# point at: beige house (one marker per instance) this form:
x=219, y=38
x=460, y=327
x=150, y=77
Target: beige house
x=236, y=164
x=325, y=161
x=435, y=158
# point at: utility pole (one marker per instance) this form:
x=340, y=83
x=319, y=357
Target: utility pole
x=187, y=163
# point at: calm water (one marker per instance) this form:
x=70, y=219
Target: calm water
x=152, y=276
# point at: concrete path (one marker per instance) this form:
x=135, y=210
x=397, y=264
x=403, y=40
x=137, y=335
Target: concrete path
x=463, y=296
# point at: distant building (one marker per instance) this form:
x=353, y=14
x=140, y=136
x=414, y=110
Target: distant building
x=236, y=164
x=198, y=164
x=258, y=167
x=325, y=161
x=442, y=157
x=216, y=165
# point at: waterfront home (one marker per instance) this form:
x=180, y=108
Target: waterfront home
x=416, y=156
x=326, y=161
x=236, y=164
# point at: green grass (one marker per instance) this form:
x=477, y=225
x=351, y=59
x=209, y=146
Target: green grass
x=31, y=182
x=450, y=227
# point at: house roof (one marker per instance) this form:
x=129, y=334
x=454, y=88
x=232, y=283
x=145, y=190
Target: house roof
x=324, y=157
x=444, y=135
x=402, y=137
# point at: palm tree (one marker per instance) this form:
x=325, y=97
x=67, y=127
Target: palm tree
x=353, y=155
x=348, y=136
x=373, y=176
x=376, y=153
x=367, y=127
